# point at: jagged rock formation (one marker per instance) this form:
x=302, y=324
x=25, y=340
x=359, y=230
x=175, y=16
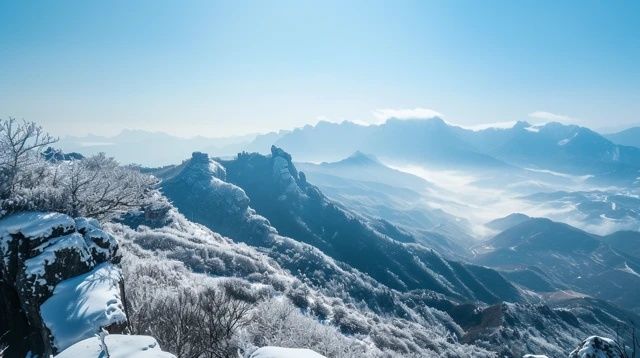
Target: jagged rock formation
x=42, y=253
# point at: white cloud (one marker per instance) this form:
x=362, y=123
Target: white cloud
x=382, y=115
x=552, y=117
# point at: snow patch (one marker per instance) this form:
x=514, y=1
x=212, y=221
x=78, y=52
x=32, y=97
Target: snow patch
x=81, y=305
x=628, y=269
x=567, y=140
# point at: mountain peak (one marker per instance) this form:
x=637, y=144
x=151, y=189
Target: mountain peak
x=200, y=157
x=359, y=157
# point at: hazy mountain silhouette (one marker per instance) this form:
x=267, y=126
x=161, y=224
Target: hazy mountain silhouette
x=630, y=137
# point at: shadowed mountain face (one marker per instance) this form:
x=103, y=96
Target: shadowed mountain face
x=299, y=210
x=567, y=256
x=365, y=185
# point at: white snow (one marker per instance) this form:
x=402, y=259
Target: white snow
x=628, y=269
x=279, y=352
x=36, y=265
x=119, y=346
x=34, y=225
x=567, y=140
x=81, y=305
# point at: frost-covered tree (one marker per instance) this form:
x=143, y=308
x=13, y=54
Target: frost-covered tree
x=95, y=187
x=21, y=143
x=99, y=187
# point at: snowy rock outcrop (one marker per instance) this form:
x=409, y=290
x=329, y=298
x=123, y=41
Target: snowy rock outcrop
x=286, y=175
x=50, y=264
x=597, y=347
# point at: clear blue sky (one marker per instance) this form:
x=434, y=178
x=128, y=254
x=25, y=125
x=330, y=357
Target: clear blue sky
x=230, y=67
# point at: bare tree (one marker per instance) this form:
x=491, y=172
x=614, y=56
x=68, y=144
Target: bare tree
x=222, y=317
x=99, y=187
x=21, y=143
x=177, y=319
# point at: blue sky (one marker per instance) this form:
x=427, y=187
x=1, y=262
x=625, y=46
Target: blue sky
x=219, y=68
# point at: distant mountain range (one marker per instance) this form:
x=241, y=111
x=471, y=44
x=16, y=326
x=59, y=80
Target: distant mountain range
x=553, y=146
x=630, y=137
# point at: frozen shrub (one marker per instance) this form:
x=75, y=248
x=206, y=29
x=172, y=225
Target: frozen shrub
x=279, y=323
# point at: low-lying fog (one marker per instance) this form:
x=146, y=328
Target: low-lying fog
x=537, y=193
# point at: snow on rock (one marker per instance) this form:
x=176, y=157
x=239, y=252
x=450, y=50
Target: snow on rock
x=37, y=265
x=33, y=225
x=39, y=251
x=286, y=174
x=102, y=245
x=534, y=356
x=597, y=347
x=119, y=346
x=279, y=352
x=82, y=305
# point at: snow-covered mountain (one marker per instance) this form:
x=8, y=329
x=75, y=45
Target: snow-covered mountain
x=299, y=210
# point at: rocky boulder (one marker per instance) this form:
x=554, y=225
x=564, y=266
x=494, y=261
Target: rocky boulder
x=40, y=252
